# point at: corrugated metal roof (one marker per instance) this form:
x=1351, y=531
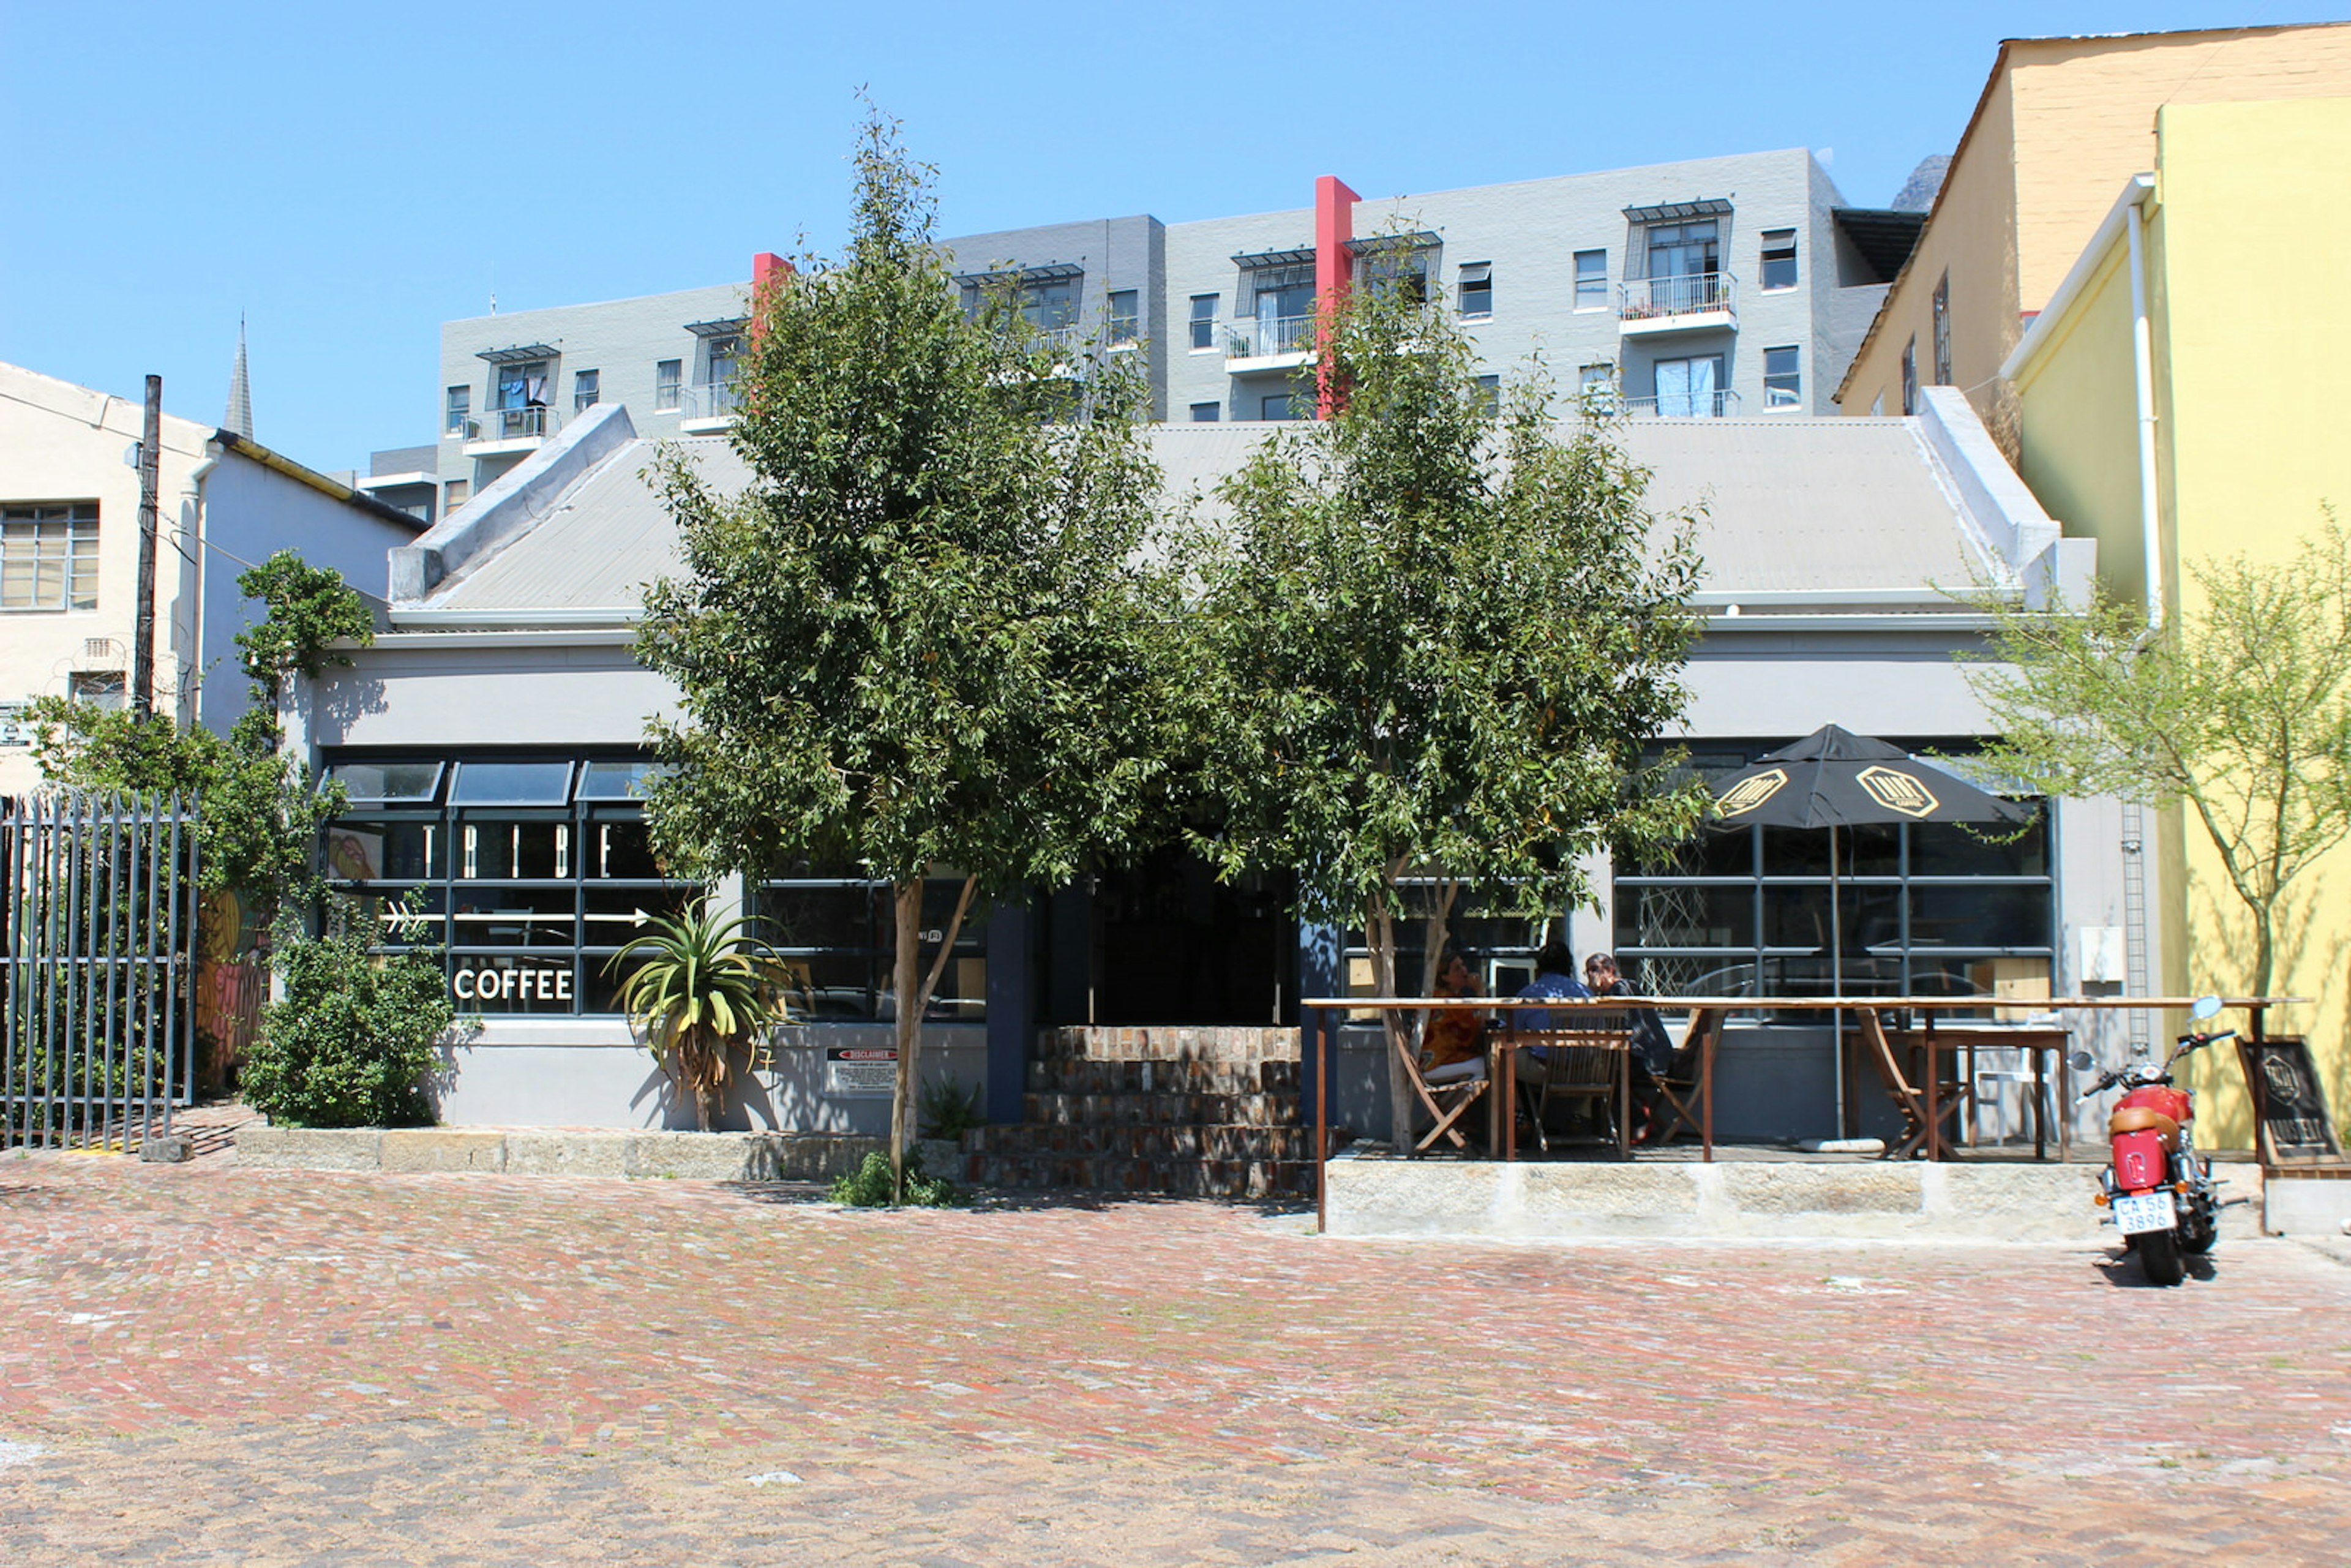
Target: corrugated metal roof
x=1792, y=505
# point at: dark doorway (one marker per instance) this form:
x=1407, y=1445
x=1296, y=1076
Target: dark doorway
x=1163, y=942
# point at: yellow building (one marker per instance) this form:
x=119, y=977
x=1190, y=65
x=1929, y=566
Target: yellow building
x=2061, y=124
x=2177, y=401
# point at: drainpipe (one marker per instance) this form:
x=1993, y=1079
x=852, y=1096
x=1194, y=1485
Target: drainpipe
x=2143, y=373
x=191, y=691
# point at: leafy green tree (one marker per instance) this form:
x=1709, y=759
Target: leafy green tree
x=261, y=813
x=702, y=989
x=926, y=635
x=2239, y=711
x=1444, y=631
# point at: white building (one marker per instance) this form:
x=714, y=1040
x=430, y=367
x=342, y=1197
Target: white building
x=69, y=552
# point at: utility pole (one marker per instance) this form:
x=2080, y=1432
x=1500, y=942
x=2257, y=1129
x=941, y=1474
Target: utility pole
x=142, y=630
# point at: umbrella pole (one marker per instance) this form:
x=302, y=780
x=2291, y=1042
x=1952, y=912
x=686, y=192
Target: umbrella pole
x=1836, y=981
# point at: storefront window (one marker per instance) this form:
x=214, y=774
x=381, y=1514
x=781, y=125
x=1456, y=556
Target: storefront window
x=529, y=873
x=837, y=935
x=1921, y=909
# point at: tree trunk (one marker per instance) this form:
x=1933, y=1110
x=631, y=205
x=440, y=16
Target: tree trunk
x=914, y=986
x=905, y=975
x=1379, y=935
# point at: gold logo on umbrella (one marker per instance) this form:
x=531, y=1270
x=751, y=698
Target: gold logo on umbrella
x=1898, y=791
x=1750, y=792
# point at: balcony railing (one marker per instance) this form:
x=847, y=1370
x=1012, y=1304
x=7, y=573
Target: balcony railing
x=711, y=399
x=1255, y=337
x=525, y=424
x=1694, y=294
x=1719, y=403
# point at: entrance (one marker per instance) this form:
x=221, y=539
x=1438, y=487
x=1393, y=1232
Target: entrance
x=1163, y=942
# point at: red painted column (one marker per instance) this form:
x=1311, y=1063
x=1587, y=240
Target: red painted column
x=769, y=270
x=1334, y=270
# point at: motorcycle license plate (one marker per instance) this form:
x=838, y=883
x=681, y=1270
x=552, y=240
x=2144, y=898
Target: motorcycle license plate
x=2137, y=1211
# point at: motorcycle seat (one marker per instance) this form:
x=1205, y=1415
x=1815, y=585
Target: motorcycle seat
x=2139, y=1119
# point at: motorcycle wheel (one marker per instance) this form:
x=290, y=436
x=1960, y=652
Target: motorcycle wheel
x=2158, y=1255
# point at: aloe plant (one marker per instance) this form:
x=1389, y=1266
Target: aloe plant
x=699, y=989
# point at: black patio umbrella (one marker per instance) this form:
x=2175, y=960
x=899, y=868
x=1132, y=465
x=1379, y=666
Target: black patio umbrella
x=1835, y=779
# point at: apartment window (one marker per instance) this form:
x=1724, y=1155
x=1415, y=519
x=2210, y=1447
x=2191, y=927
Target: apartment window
x=1684, y=268
x=1489, y=396
x=584, y=390
x=1943, y=331
x=1691, y=388
x=459, y=402
x=105, y=689
x=1910, y=376
x=721, y=357
x=1281, y=300
x=48, y=556
x=1204, y=322
x=1207, y=412
x=1477, y=290
x=1592, y=280
x=669, y=385
x=1784, y=378
x=1599, y=379
x=1779, y=259
x=1924, y=909
x=1125, y=317
x=454, y=494
x=1278, y=405
x=518, y=399
x=1398, y=269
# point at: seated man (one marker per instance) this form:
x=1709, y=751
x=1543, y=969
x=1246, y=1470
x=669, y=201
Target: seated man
x=1554, y=981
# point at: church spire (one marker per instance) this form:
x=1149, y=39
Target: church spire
x=239, y=417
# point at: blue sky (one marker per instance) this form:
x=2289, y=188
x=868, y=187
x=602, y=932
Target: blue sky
x=349, y=176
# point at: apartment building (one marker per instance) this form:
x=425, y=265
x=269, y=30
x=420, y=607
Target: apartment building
x=2061, y=124
x=1706, y=288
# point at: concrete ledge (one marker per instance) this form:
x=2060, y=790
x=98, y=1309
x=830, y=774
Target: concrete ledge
x=2295, y=1203
x=705, y=1157
x=1383, y=1196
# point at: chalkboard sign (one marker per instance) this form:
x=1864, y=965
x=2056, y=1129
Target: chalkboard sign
x=2296, y=1127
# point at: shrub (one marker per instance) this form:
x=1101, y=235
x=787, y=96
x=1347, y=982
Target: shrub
x=352, y=1041
x=868, y=1186
x=950, y=1110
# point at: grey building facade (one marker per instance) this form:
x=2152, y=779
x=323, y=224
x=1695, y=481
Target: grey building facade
x=1709, y=289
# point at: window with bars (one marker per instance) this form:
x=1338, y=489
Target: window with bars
x=48, y=556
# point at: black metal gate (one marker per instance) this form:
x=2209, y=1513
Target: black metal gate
x=97, y=897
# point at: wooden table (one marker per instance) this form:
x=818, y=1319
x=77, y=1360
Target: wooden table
x=1320, y=1018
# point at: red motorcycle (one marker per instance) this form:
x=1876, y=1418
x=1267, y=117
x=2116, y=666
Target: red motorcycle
x=2160, y=1190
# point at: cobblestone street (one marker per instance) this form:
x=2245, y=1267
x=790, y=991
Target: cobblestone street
x=206, y=1365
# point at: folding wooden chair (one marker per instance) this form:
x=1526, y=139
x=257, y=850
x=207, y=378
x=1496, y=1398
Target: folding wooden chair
x=1587, y=1065
x=1952, y=1095
x=1683, y=1083
x=1448, y=1096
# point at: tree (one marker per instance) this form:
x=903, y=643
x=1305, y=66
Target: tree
x=1445, y=633
x=927, y=635
x=259, y=825
x=2237, y=710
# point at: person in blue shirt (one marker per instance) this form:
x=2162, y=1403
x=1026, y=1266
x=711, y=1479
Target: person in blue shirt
x=1554, y=981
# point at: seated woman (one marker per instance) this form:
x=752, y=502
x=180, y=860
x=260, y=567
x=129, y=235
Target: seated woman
x=1453, y=1043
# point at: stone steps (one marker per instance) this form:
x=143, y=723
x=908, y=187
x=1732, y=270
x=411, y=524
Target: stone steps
x=1243, y=1109
x=1095, y=1076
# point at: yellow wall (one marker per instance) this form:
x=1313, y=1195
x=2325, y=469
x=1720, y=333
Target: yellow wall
x=2256, y=336
x=2062, y=124
x=2078, y=424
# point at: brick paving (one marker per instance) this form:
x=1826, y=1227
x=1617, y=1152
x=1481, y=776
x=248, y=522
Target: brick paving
x=205, y=1365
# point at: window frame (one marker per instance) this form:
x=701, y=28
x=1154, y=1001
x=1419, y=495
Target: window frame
x=457, y=410
x=1791, y=381
x=1203, y=323
x=44, y=539
x=1476, y=277
x=669, y=385
x=587, y=389
x=1941, y=324
x=1769, y=255
x=1215, y=413
x=1590, y=289
x=1123, y=328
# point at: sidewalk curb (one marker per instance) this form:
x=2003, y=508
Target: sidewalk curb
x=532, y=1151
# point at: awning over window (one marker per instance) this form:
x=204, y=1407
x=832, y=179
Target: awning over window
x=726, y=328
x=1253, y=259
x=1679, y=212
x=1044, y=272
x=521, y=353
x=1378, y=244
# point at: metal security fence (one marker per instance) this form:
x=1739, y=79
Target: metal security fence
x=97, y=898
